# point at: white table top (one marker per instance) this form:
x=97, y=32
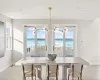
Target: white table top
x=58, y=60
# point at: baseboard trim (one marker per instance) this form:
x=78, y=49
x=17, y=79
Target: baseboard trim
x=1, y=70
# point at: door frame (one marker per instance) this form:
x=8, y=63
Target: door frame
x=60, y=25
x=24, y=35
x=75, y=35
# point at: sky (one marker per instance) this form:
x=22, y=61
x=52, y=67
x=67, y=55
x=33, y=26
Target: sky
x=41, y=33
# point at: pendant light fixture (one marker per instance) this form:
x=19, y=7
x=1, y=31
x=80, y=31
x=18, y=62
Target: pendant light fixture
x=50, y=25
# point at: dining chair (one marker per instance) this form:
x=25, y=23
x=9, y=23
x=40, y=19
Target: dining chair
x=52, y=71
x=28, y=71
x=75, y=71
x=38, y=70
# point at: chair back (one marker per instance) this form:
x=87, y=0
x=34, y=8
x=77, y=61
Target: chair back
x=27, y=67
x=52, y=70
x=77, y=67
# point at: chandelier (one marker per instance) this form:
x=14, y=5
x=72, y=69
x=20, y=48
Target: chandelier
x=50, y=23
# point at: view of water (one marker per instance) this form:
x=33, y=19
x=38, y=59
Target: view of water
x=58, y=42
x=41, y=37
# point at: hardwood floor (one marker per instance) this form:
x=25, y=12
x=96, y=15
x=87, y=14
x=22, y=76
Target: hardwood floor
x=15, y=73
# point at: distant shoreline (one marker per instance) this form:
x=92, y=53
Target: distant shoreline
x=55, y=39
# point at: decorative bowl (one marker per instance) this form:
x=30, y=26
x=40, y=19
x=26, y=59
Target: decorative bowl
x=52, y=57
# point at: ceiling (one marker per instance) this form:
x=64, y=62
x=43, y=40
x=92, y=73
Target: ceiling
x=62, y=9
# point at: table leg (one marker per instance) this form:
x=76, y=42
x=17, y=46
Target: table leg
x=64, y=72
x=43, y=73
x=60, y=73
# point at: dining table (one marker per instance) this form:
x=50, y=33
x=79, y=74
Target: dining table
x=61, y=61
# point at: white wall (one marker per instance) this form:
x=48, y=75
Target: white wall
x=89, y=47
x=87, y=38
x=6, y=60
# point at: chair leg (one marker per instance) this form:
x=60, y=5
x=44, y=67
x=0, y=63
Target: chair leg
x=48, y=78
x=78, y=78
x=32, y=77
x=24, y=78
x=48, y=72
x=68, y=76
x=72, y=76
x=56, y=77
x=35, y=76
x=72, y=72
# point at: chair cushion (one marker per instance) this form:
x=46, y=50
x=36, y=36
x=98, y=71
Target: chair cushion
x=76, y=74
x=29, y=73
x=52, y=74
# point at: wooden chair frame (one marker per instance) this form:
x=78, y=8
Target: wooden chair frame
x=55, y=73
x=24, y=77
x=79, y=78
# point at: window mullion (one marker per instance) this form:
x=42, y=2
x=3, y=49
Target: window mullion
x=35, y=40
x=63, y=42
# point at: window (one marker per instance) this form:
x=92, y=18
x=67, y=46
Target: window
x=69, y=41
x=36, y=41
x=30, y=39
x=58, y=41
x=63, y=41
x=8, y=36
x=41, y=39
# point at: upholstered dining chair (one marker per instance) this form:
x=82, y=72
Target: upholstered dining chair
x=28, y=71
x=52, y=71
x=75, y=71
x=38, y=71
